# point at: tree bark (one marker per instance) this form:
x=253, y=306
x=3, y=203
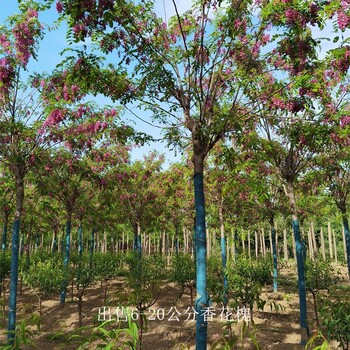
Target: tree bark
x=330, y=240
x=323, y=250
x=92, y=247
x=19, y=178
x=289, y=190
x=202, y=300
x=347, y=240
x=223, y=253
x=285, y=245
x=335, y=246
x=313, y=236
x=274, y=254
x=66, y=256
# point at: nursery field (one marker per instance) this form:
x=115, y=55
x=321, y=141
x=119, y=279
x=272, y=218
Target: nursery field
x=174, y=174
x=168, y=321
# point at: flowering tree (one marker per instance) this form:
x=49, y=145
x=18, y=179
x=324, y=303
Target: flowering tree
x=19, y=114
x=139, y=194
x=178, y=208
x=182, y=66
x=333, y=168
x=193, y=71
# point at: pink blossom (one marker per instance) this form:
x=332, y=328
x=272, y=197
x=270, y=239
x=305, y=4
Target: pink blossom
x=344, y=121
x=55, y=117
x=59, y=7
x=343, y=20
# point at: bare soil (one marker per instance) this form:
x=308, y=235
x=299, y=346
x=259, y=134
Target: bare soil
x=274, y=328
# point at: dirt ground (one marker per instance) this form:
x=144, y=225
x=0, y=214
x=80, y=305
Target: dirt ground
x=274, y=328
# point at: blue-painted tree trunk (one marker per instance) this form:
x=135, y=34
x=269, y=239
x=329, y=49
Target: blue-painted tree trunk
x=301, y=281
x=92, y=247
x=13, y=282
x=66, y=259
x=223, y=261
x=194, y=245
x=223, y=254
x=80, y=250
x=176, y=240
x=137, y=239
x=54, y=245
x=19, y=173
x=37, y=241
x=299, y=247
x=202, y=300
x=274, y=255
x=347, y=241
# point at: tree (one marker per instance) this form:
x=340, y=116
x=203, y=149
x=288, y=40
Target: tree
x=201, y=64
x=20, y=114
x=181, y=66
x=335, y=172
x=140, y=194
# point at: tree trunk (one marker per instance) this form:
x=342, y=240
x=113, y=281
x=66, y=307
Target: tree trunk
x=311, y=250
x=243, y=242
x=19, y=177
x=54, y=241
x=208, y=242
x=335, y=247
x=347, y=240
x=285, y=245
x=66, y=257
x=263, y=241
x=176, y=240
x=294, y=248
x=202, y=300
x=92, y=247
x=27, y=244
x=323, y=249
x=274, y=254
x=223, y=253
x=249, y=244
x=330, y=240
x=137, y=238
x=80, y=251
x=289, y=190
x=313, y=236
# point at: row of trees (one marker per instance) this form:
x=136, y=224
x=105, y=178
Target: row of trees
x=247, y=73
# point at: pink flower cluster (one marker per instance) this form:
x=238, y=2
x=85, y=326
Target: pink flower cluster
x=24, y=33
x=294, y=17
x=342, y=64
x=5, y=44
x=343, y=15
x=55, y=117
x=59, y=6
x=88, y=129
x=344, y=120
x=6, y=75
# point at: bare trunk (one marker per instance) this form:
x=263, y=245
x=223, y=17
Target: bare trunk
x=313, y=235
x=330, y=240
x=285, y=245
x=323, y=249
x=335, y=247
